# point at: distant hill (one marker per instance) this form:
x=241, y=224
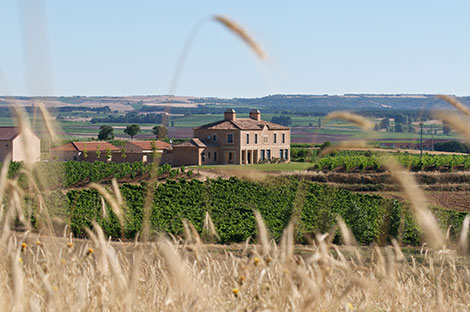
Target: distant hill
x=301, y=104
x=335, y=102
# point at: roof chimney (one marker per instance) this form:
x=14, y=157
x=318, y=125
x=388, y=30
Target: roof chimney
x=229, y=114
x=255, y=114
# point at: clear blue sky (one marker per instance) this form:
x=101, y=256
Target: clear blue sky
x=316, y=47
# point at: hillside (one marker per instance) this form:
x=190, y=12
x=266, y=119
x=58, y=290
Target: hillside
x=271, y=103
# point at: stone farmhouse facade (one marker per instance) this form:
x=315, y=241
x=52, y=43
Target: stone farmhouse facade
x=21, y=146
x=235, y=141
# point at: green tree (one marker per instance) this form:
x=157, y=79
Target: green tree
x=108, y=154
x=399, y=127
x=281, y=120
x=385, y=123
x=160, y=131
x=446, y=130
x=132, y=130
x=106, y=133
x=319, y=122
x=98, y=152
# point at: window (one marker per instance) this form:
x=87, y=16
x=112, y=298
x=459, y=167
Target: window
x=265, y=139
x=256, y=138
x=209, y=155
x=247, y=138
x=263, y=156
x=203, y=157
x=268, y=154
x=230, y=156
x=215, y=156
x=275, y=138
x=286, y=154
x=283, y=138
x=214, y=137
x=281, y=154
x=230, y=138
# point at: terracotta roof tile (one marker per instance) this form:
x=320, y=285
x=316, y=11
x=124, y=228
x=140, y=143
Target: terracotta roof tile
x=147, y=145
x=95, y=145
x=185, y=144
x=195, y=142
x=8, y=133
x=69, y=147
x=243, y=124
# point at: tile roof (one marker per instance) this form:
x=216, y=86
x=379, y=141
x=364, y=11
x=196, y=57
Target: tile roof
x=95, y=145
x=69, y=147
x=196, y=142
x=147, y=145
x=8, y=133
x=243, y=124
x=185, y=144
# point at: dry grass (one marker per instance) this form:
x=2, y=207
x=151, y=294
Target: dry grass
x=41, y=273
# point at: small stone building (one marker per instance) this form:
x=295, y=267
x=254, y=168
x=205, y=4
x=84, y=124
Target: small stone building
x=86, y=151
x=21, y=146
x=146, y=150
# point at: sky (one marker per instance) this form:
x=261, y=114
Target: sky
x=116, y=47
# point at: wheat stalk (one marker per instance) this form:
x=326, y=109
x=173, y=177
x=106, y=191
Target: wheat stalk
x=242, y=34
x=455, y=103
x=425, y=219
x=359, y=121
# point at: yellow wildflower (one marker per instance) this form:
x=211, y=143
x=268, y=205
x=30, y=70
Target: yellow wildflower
x=235, y=291
x=23, y=245
x=69, y=244
x=20, y=260
x=350, y=306
x=90, y=251
x=256, y=260
x=38, y=243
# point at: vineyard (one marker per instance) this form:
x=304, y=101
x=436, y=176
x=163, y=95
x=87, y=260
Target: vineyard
x=354, y=161
x=231, y=202
x=73, y=173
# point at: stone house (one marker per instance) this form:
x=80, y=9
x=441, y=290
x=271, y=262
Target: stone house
x=21, y=146
x=144, y=150
x=235, y=141
x=86, y=151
